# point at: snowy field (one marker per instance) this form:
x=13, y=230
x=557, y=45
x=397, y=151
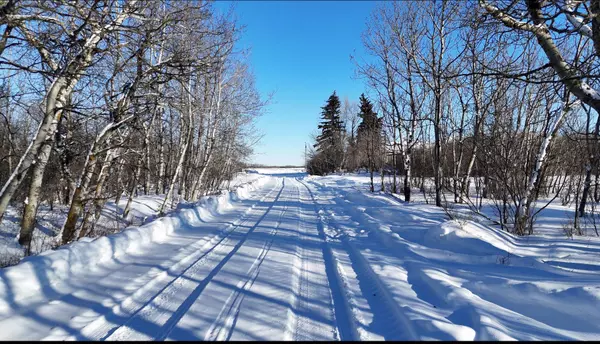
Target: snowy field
x=285, y=256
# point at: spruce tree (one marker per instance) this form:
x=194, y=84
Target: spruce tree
x=329, y=143
x=369, y=137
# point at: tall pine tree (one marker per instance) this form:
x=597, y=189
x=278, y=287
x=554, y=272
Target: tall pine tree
x=369, y=136
x=330, y=146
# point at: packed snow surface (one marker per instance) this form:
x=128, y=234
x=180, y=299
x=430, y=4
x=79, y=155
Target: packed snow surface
x=291, y=257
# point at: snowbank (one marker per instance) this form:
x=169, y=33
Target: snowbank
x=19, y=283
x=465, y=238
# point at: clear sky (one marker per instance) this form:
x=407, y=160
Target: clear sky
x=301, y=52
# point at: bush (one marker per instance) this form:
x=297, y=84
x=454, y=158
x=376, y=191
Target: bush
x=317, y=165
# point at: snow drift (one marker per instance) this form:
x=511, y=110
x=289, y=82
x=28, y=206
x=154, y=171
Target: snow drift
x=20, y=285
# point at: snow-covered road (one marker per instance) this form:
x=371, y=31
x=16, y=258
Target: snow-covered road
x=301, y=259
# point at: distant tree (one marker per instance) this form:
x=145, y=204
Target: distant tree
x=330, y=145
x=369, y=136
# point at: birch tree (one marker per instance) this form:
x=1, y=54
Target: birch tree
x=538, y=20
x=91, y=27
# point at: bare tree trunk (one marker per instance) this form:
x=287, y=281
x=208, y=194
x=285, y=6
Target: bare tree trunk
x=592, y=161
x=382, y=175
x=407, y=177
x=523, y=211
x=160, y=187
x=64, y=156
x=184, y=150
x=68, y=230
x=77, y=202
x=372, y=188
x=32, y=201
x=597, y=186
x=486, y=183
x=586, y=190
x=133, y=188
x=466, y=181
x=41, y=160
x=437, y=155
x=53, y=113
x=207, y=159
x=118, y=182
x=87, y=226
x=210, y=140
x=8, y=118
x=394, y=178
x=148, y=162
x=146, y=158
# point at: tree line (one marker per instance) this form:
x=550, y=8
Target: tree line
x=477, y=100
x=106, y=99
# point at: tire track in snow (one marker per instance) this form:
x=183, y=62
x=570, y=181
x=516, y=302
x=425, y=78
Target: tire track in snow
x=373, y=289
x=309, y=284
x=343, y=315
x=223, y=326
x=149, y=316
x=299, y=288
x=378, y=295
x=101, y=327
x=426, y=289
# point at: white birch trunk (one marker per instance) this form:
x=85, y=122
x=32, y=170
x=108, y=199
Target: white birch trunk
x=184, y=150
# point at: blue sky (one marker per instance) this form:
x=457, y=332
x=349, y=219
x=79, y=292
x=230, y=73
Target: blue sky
x=301, y=51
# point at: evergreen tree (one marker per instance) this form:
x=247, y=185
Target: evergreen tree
x=369, y=136
x=329, y=144
x=370, y=121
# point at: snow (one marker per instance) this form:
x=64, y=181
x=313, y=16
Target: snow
x=576, y=21
x=61, y=264
x=144, y=208
x=285, y=256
